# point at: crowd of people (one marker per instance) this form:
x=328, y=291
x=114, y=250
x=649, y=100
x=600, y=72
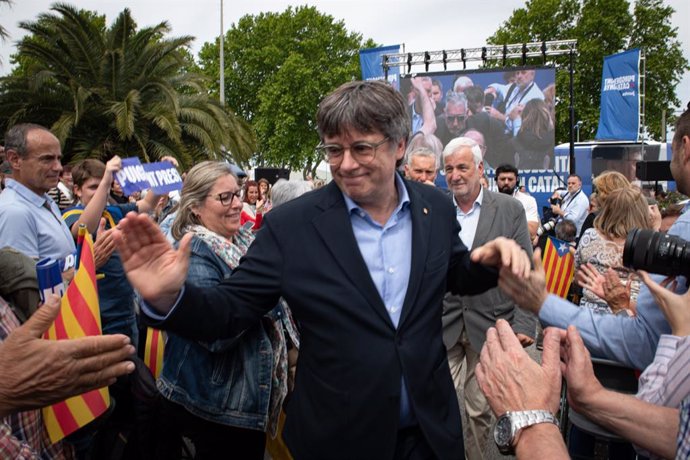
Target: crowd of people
x=353, y=320
x=514, y=116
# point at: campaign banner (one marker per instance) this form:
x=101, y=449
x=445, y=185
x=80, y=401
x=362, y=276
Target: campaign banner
x=132, y=177
x=161, y=177
x=371, y=60
x=619, y=116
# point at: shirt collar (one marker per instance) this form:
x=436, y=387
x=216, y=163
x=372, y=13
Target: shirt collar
x=477, y=201
x=26, y=193
x=403, y=197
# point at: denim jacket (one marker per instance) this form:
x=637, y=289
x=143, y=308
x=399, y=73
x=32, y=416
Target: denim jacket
x=227, y=381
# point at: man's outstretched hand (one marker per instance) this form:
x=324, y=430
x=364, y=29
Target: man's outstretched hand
x=503, y=253
x=38, y=372
x=511, y=380
x=154, y=268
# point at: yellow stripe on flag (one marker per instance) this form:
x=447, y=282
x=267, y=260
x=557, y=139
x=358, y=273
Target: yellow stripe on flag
x=79, y=316
x=154, y=350
x=558, y=266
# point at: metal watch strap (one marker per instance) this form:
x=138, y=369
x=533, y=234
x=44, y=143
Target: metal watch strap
x=525, y=418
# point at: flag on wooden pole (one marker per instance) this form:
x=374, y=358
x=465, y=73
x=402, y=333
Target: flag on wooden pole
x=559, y=265
x=79, y=317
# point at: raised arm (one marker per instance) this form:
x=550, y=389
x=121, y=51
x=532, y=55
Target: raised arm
x=154, y=268
x=94, y=209
x=148, y=203
x=654, y=428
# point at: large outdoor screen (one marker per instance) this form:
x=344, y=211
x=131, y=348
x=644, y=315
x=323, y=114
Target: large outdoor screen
x=512, y=108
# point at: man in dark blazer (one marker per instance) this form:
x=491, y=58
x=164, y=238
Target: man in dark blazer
x=363, y=263
x=483, y=215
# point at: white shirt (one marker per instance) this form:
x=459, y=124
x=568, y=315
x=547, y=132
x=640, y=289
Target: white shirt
x=468, y=221
x=530, y=205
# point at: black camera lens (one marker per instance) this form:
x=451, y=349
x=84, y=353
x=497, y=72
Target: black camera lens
x=657, y=252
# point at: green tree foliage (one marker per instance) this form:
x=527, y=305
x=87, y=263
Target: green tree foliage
x=652, y=31
x=278, y=66
x=116, y=90
x=3, y=32
x=602, y=27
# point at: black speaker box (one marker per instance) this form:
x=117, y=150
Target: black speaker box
x=654, y=170
x=271, y=174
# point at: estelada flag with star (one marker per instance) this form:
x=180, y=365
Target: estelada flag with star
x=559, y=265
x=79, y=317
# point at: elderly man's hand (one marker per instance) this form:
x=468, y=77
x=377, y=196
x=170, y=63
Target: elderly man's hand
x=511, y=380
x=676, y=307
x=505, y=254
x=528, y=292
x=577, y=369
x=38, y=372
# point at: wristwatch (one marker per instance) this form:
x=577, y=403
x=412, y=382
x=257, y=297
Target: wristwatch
x=509, y=425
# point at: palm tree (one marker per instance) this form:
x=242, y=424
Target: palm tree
x=3, y=32
x=117, y=90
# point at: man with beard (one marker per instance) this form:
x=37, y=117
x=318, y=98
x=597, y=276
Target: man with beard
x=507, y=181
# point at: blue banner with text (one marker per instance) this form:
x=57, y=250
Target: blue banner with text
x=619, y=116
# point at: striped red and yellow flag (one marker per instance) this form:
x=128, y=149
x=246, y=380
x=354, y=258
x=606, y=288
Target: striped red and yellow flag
x=559, y=265
x=153, y=350
x=79, y=317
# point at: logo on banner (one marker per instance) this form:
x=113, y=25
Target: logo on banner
x=624, y=83
x=619, y=115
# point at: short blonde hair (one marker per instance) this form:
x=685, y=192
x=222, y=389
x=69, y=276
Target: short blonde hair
x=624, y=209
x=607, y=182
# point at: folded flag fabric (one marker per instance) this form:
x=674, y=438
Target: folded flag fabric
x=153, y=350
x=559, y=265
x=79, y=317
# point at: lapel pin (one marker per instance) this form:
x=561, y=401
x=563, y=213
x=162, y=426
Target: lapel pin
x=425, y=211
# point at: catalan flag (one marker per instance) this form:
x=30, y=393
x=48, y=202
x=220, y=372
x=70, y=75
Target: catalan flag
x=79, y=317
x=153, y=350
x=559, y=266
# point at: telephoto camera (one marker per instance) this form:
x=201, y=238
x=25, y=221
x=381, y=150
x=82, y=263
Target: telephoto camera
x=546, y=227
x=556, y=201
x=657, y=252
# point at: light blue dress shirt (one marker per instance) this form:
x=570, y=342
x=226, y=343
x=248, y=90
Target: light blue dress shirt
x=417, y=120
x=468, y=221
x=386, y=250
x=629, y=340
x=575, y=208
x=31, y=228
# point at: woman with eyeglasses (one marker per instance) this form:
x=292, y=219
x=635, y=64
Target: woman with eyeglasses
x=252, y=206
x=223, y=395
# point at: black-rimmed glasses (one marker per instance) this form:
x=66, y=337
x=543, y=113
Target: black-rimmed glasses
x=363, y=152
x=226, y=198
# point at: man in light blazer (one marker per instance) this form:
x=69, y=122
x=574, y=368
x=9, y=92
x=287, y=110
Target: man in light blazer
x=364, y=263
x=483, y=215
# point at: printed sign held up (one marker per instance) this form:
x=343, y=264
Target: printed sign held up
x=161, y=177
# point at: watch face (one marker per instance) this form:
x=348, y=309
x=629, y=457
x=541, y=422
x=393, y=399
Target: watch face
x=502, y=431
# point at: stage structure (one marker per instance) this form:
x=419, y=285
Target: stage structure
x=503, y=53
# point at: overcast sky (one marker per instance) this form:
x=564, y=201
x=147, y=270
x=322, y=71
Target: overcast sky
x=422, y=26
